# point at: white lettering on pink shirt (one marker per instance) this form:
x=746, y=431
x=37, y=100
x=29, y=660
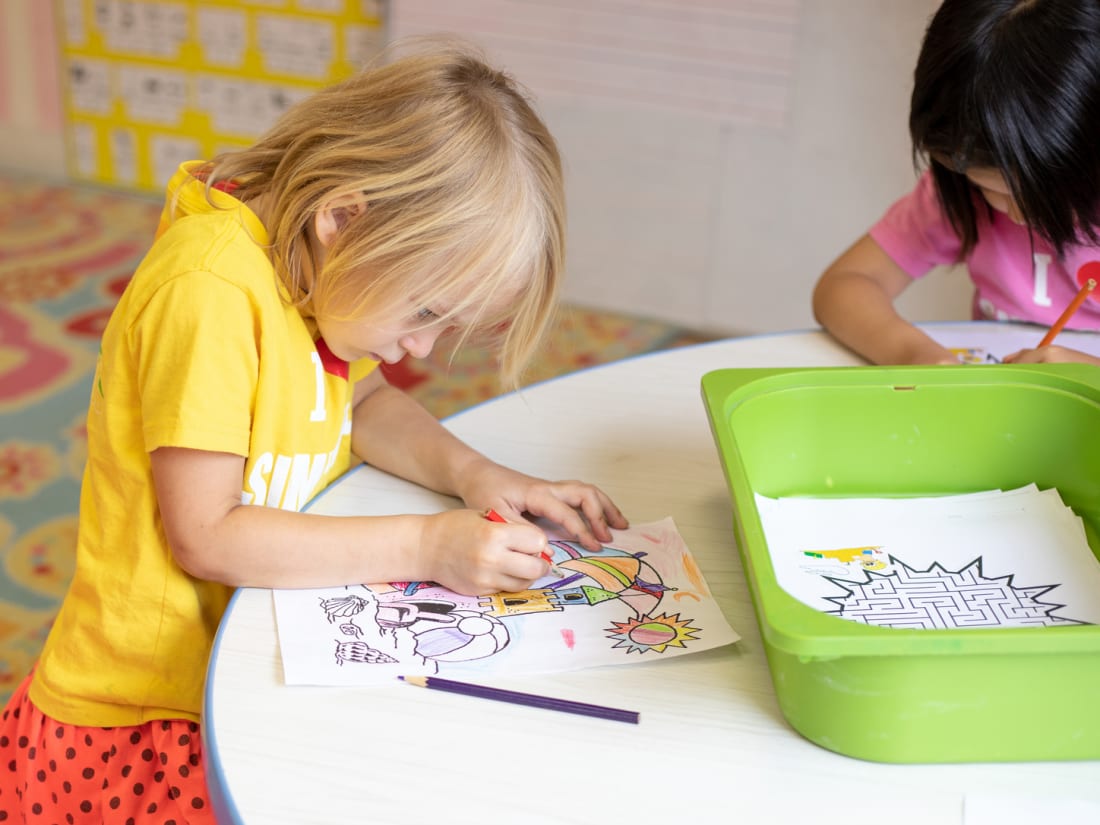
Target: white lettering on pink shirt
x=1040, y=268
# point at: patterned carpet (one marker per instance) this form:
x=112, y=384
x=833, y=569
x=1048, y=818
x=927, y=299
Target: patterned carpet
x=66, y=254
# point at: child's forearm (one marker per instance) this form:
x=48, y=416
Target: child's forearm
x=257, y=546
x=267, y=547
x=861, y=315
x=892, y=341
x=214, y=536
x=392, y=432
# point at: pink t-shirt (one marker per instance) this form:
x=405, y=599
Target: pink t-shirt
x=1017, y=276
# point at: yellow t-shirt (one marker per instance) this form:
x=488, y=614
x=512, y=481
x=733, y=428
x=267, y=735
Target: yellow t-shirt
x=201, y=352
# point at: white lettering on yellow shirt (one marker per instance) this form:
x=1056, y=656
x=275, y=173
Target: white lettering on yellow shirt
x=289, y=482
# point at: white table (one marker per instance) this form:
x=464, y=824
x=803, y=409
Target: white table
x=712, y=744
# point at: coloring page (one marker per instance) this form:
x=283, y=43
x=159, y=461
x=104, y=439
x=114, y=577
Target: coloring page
x=991, y=559
x=991, y=343
x=640, y=599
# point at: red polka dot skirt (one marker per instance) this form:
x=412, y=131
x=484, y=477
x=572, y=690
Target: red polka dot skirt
x=57, y=774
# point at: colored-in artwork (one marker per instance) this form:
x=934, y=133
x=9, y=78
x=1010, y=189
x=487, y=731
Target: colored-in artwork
x=1013, y=558
x=993, y=341
x=641, y=598
x=975, y=355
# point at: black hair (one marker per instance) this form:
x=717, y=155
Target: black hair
x=1013, y=85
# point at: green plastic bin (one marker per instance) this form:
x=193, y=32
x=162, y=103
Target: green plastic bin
x=904, y=695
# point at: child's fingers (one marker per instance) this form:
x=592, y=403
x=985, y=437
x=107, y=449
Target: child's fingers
x=601, y=512
x=512, y=585
x=503, y=583
x=600, y=509
x=474, y=556
x=491, y=582
x=485, y=581
x=584, y=512
x=526, y=547
x=1052, y=354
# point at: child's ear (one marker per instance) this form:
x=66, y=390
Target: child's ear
x=335, y=214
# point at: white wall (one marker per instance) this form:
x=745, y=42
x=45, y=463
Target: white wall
x=718, y=225
x=724, y=226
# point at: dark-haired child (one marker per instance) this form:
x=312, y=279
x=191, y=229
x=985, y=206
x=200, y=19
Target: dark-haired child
x=1005, y=114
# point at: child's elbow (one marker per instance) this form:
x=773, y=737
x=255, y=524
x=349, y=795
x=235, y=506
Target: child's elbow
x=197, y=557
x=822, y=298
x=195, y=565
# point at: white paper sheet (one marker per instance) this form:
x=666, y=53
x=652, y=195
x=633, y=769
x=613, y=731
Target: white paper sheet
x=992, y=559
x=642, y=598
x=992, y=342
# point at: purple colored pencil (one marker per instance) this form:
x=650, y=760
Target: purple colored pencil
x=517, y=698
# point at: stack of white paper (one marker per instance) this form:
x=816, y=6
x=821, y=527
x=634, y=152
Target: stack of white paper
x=990, y=559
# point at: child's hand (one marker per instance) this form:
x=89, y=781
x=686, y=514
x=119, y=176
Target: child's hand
x=474, y=556
x=1053, y=354
x=583, y=510
x=928, y=352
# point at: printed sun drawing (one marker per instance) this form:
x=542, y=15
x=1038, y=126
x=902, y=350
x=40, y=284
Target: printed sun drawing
x=427, y=624
x=655, y=633
x=897, y=595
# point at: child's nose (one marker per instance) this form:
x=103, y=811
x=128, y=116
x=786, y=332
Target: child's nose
x=419, y=344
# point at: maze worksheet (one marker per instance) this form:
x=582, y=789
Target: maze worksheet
x=991, y=559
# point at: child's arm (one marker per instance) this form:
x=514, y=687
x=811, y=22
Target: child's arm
x=215, y=537
x=1053, y=354
x=392, y=432
x=854, y=302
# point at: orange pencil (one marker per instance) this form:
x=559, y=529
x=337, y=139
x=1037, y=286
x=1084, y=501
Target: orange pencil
x=1063, y=319
x=493, y=515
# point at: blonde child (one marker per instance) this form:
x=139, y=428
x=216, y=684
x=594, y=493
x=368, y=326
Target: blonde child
x=1005, y=112
x=237, y=378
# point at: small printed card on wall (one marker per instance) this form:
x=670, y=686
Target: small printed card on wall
x=640, y=599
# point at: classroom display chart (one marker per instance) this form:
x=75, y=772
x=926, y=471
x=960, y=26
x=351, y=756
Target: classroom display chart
x=640, y=599
x=152, y=83
x=991, y=559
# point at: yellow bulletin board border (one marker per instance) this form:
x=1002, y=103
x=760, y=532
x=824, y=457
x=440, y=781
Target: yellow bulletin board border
x=148, y=84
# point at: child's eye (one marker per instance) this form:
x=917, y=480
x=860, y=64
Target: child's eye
x=425, y=314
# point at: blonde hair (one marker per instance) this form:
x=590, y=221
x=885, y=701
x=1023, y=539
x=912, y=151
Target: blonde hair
x=463, y=193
